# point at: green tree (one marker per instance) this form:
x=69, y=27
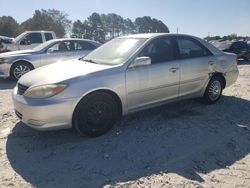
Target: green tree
x=78, y=29
x=95, y=27
x=8, y=26
x=82, y=29
x=107, y=26
x=60, y=18
x=113, y=24
x=129, y=27
x=51, y=19
x=208, y=38
x=148, y=25
x=159, y=26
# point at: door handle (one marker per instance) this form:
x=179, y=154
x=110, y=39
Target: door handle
x=173, y=69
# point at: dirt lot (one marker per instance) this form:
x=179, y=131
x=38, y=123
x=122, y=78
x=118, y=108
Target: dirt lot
x=185, y=144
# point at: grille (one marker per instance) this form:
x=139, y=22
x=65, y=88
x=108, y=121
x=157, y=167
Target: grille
x=21, y=89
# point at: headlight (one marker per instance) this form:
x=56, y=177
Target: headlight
x=4, y=60
x=45, y=91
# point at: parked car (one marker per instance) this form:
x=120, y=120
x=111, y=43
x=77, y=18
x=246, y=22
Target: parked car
x=240, y=48
x=15, y=64
x=125, y=75
x=26, y=40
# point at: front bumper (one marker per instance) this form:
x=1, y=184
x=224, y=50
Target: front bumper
x=44, y=114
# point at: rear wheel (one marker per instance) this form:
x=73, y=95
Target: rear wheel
x=95, y=115
x=19, y=69
x=213, y=90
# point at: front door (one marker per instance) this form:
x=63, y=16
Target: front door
x=150, y=84
x=60, y=51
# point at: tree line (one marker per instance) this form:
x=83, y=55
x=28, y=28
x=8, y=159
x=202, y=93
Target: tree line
x=100, y=27
x=103, y=27
x=50, y=19
x=230, y=37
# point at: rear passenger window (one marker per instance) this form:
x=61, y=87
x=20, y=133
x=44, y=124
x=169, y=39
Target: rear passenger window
x=48, y=36
x=160, y=50
x=190, y=48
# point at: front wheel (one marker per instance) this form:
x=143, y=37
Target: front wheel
x=95, y=114
x=19, y=69
x=213, y=90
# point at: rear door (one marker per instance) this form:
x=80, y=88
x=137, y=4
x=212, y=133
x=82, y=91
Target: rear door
x=195, y=60
x=150, y=84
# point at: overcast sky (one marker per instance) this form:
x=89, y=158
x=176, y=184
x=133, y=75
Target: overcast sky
x=196, y=17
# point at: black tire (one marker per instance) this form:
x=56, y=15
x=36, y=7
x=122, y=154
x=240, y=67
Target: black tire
x=214, y=90
x=19, y=69
x=95, y=114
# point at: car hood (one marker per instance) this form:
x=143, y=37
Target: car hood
x=16, y=53
x=59, y=72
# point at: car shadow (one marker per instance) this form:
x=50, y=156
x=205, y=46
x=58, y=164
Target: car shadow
x=186, y=138
x=7, y=83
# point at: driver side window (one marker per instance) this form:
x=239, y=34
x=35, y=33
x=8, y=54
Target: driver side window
x=159, y=50
x=32, y=38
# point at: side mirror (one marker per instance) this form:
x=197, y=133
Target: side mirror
x=141, y=61
x=50, y=50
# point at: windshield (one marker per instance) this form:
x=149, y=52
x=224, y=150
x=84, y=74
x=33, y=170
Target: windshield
x=19, y=37
x=115, y=52
x=43, y=45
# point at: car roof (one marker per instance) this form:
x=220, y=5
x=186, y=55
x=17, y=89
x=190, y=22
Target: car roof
x=152, y=35
x=43, y=31
x=73, y=39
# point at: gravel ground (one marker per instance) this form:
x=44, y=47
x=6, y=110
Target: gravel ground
x=185, y=144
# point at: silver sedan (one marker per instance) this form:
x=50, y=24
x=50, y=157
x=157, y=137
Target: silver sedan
x=125, y=75
x=17, y=63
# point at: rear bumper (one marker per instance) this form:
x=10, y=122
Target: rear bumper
x=44, y=114
x=231, y=77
